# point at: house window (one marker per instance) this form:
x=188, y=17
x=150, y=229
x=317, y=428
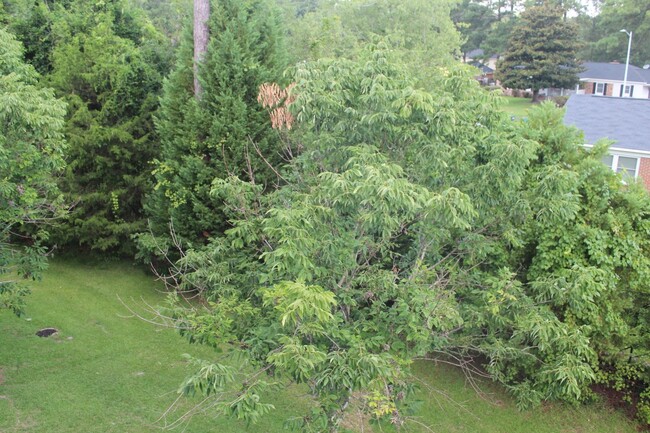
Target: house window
x=625, y=165
x=599, y=89
x=628, y=91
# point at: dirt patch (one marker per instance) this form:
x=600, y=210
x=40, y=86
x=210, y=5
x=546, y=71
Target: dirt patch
x=617, y=400
x=46, y=332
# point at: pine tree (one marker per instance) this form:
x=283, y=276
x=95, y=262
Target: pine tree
x=107, y=67
x=225, y=132
x=541, y=51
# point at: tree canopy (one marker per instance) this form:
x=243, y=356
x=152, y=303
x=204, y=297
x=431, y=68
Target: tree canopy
x=421, y=32
x=225, y=132
x=542, y=51
x=31, y=158
x=106, y=61
x=416, y=224
x=605, y=41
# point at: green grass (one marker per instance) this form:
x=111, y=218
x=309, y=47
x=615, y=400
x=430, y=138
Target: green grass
x=516, y=106
x=453, y=406
x=108, y=372
x=105, y=371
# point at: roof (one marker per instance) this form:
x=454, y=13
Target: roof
x=645, y=73
x=475, y=53
x=484, y=68
x=614, y=72
x=621, y=119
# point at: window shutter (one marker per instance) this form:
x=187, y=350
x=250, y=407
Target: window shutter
x=605, y=90
x=631, y=91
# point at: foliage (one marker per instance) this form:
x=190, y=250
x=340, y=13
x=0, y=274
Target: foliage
x=31, y=156
x=421, y=32
x=474, y=21
x=106, y=63
x=496, y=39
x=605, y=42
x=416, y=223
x=224, y=133
x=33, y=27
x=168, y=16
x=541, y=51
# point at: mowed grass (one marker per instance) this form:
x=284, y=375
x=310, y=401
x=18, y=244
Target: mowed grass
x=517, y=107
x=105, y=371
x=108, y=372
x=454, y=406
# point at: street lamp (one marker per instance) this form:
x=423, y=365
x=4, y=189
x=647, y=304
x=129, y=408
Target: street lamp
x=627, y=60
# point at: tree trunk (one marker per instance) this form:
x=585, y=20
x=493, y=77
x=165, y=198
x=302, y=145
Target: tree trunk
x=535, y=96
x=201, y=35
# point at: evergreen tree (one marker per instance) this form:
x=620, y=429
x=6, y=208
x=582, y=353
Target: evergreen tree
x=31, y=157
x=541, y=51
x=107, y=64
x=33, y=27
x=225, y=132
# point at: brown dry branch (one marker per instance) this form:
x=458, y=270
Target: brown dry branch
x=278, y=101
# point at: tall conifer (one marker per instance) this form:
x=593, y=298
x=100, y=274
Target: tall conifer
x=107, y=65
x=542, y=51
x=224, y=133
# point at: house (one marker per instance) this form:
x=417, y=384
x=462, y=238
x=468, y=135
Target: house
x=485, y=65
x=486, y=75
x=606, y=79
x=479, y=55
x=624, y=120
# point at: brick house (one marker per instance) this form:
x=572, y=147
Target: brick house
x=624, y=120
x=606, y=79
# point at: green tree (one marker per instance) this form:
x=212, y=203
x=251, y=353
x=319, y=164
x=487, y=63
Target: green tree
x=225, y=132
x=416, y=223
x=31, y=157
x=421, y=32
x=168, y=16
x=605, y=41
x=496, y=40
x=474, y=21
x=541, y=51
x=337, y=279
x=33, y=27
x=107, y=64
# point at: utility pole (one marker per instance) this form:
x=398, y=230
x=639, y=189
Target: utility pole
x=627, y=60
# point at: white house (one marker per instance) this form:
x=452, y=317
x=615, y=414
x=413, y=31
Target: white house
x=606, y=79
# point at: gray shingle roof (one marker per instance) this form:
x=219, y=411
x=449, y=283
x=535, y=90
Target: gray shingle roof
x=624, y=120
x=485, y=69
x=645, y=73
x=613, y=71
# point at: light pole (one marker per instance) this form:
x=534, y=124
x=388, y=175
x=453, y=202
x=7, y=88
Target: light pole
x=627, y=60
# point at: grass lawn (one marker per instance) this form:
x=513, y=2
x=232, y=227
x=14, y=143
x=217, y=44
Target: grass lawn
x=105, y=371
x=516, y=106
x=108, y=372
